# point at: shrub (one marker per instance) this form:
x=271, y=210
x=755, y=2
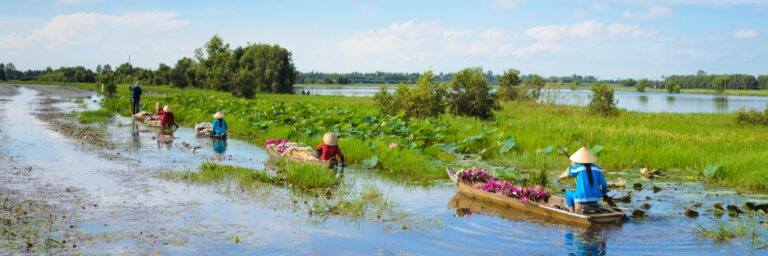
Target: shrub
x=107, y=83
x=533, y=85
x=752, y=117
x=673, y=88
x=574, y=85
x=509, y=86
x=602, y=102
x=720, y=83
x=642, y=84
x=424, y=100
x=470, y=95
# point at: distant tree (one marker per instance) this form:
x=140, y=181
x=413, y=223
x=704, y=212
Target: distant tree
x=2, y=72
x=385, y=101
x=534, y=84
x=509, y=86
x=574, y=85
x=470, y=95
x=762, y=82
x=183, y=74
x=107, y=81
x=602, y=102
x=720, y=83
x=10, y=71
x=629, y=82
x=98, y=69
x=642, y=84
x=162, y=75
x=106, y=69
x=701, y=73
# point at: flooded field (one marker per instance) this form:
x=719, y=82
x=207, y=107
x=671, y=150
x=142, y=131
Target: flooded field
x=634, y=101
x=116, y=197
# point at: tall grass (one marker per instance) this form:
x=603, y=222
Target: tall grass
x=306, y=175
x=96, y=116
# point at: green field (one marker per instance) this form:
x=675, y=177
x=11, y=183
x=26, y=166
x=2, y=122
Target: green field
x=683, y=144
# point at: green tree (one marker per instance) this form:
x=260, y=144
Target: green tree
x=108, y=84
x=762, y=82
x=534, y=84
x=629, y=82
x=575, y=84
x=470, y=95
x=642, y=84
x=602, y=102
x=2, y=72
x=183, y=74
x=509, y=86
x=385, y=101
x=720, y=83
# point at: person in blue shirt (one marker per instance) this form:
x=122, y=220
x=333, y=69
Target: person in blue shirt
x=219, y=126
x=590, y=182
x=136, y=96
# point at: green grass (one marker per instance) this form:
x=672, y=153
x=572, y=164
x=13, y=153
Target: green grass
x=210, y=172
x=307, y=175
x=686, y=143
x=747, y=229
x=96, y=116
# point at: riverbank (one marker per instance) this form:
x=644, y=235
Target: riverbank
x=679, y=144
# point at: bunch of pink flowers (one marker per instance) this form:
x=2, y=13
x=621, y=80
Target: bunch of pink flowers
x=487, y=182
x=279, y=143
x=475, y=175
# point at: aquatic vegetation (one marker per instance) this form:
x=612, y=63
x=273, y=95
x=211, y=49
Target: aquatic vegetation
x=96, y=116
x=748, y=229
x=30, y=227
x=306, y=175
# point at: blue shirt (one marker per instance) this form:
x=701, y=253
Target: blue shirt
x=586, y=193
x=219, y=127
x=136, y=92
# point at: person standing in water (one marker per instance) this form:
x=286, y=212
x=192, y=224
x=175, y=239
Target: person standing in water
x=329, y=150
x=136, y=97
x=590, y=182
x=219, y=125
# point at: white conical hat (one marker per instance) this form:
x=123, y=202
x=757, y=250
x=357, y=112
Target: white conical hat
x=583, y=156
x=167, y=109
x=330, y=139
x=218, y=115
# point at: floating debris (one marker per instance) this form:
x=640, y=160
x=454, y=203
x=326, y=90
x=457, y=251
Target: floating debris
x=619, y=183
x=638, y=213
x=625, y=198
x=645, y=172
x=719, y=206
x=637, y=186
x=695, y=203
x=656, y=189
x=646, y=206
x=691, y=213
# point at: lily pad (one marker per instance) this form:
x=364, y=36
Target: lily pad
x=710, y=171
x=596, y=149
x=507, y=145
x=472, y=138
x=546, y=150
x=447, y=157
x=371, y=162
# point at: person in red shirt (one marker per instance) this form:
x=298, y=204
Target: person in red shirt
x=166, y=121
x=159, y=110
x=329, y=150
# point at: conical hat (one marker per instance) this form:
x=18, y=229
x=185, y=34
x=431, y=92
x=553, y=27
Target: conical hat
x=330, y=139
x=167, y=109
x=218, y=115
x=583, y=156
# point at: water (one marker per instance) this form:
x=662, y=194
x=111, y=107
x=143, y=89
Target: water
x=634, y=101
x=136, y=207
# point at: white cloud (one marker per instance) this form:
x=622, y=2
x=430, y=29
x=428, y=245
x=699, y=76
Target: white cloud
x=746, y=33
x=91, y=27
x=506, y=3
x=12, y=41
x=650, y=13
x=552, y=38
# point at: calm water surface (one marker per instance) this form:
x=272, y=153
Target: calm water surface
x=634, y=101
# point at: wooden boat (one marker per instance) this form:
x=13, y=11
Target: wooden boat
x=148, y=119
x=302, y=157
x=550, y=210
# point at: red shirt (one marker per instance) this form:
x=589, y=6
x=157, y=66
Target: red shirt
x=330, y=152
x=167, y=119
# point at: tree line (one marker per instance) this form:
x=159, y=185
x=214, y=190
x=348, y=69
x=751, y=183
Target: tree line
x=702, y=80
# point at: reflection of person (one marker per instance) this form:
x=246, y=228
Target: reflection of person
x=136, y=141
x=164, y=139
x=590, y=182
x=585, y=244
x=329, y=150
x=219, y=125
x=219, y=147
x=136, y=96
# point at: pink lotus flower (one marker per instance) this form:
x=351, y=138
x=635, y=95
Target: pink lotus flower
x=393, y=144
x=524, y=199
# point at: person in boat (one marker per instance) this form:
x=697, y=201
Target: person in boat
x=590, y=182
x=166, y=120
x=219, y=125
x=136, y=97
x=329, y=150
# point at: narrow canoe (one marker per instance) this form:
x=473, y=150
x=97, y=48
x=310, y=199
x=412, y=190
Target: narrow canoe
x=547, y=211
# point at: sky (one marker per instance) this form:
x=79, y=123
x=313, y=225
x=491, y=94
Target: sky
x=609, y=39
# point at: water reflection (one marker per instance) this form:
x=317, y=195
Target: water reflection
x=219, y=147
x=135, y=139
x=164, y=139
x=585, y=243
x=634, y=101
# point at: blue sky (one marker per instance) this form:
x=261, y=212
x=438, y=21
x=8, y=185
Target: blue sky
x=610, y=39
